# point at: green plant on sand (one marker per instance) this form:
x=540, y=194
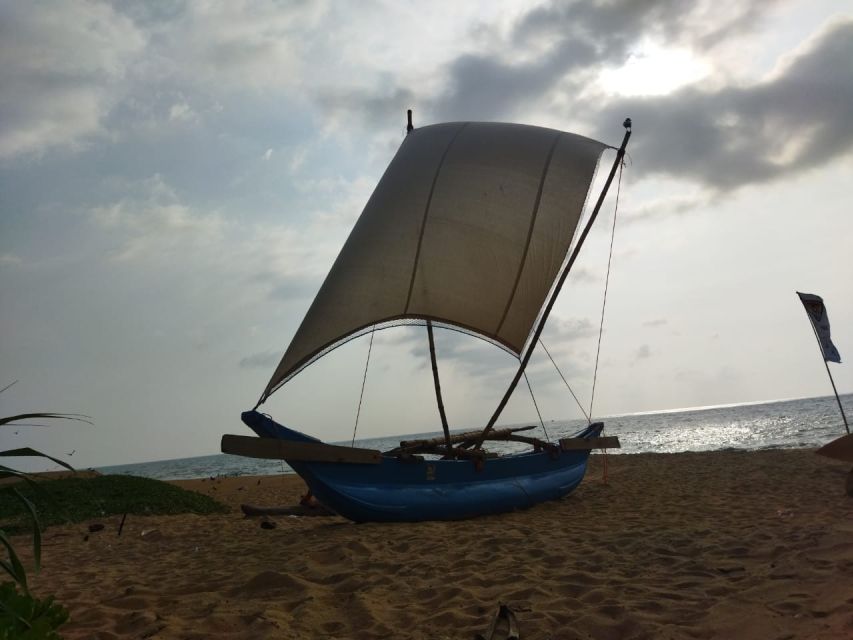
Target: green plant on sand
x=22, y=615
x=79, y=499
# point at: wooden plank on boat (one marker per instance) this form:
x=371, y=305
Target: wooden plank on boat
x=606, y=442
x=274, y=449
x=839, y=449
x=498, y=434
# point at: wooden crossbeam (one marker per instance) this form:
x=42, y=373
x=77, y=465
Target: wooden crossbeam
x=499, y=434
x=274, y=449
x=606, y=442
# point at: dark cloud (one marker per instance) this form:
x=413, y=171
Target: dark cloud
x=376, y=110
x=613, y=27
x=581, y=38
x=720, y=138
x=799, y=120
x=483, y=87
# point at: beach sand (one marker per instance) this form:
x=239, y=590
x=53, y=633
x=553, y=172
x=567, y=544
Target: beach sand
x=690, y=545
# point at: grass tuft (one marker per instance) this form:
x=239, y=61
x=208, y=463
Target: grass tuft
x=71, y=500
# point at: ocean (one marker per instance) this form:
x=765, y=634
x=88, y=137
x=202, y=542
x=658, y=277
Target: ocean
x=786, y=424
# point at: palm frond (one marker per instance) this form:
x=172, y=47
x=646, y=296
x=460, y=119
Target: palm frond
x=36, y=529
x=8, y=385
x=28, y=452
x=79, y=417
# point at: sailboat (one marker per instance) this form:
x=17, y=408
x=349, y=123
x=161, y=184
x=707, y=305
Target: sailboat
x=473, y=227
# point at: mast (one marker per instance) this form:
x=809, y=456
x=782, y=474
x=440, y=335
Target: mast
x=435, y=380
x=439, y=401
x=620, y=154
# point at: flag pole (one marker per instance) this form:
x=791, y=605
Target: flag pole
x=829, y=373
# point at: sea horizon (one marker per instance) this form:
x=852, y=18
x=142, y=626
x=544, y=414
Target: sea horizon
x=766, y=424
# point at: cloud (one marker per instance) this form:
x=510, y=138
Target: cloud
x=181, y=111
x=720, y=135
x=256, y=45
x=796, y=120
x=657, y=322
x=584, y=274
x=565, y=330
x=581, y=39
x=290, y=287
x=75, y=70
x=152, y=228
x=662, y=207
x=376, y=106
x=642, y=353
x=262, y=360
x=155, y=224
x=63, y=69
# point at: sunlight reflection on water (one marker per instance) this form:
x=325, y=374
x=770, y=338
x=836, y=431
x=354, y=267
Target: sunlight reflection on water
x=808, y=422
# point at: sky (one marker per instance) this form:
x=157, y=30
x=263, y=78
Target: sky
x=176, y=179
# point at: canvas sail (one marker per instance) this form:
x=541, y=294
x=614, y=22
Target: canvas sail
x=469, y=226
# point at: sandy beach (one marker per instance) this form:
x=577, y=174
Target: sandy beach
x=690, y=545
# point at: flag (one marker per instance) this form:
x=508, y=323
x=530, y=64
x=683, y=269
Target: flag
x=820, y=321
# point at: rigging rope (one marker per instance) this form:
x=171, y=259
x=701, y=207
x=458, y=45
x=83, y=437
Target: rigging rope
x=363, y=381
x=580, y=406
x=606, y=283
x=532, y=397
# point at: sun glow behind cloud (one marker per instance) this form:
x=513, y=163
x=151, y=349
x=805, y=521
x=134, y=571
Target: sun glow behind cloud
x=653, y=70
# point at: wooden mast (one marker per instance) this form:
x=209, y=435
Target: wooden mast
x=620, y=154
x=409, y=128
x=438, y=399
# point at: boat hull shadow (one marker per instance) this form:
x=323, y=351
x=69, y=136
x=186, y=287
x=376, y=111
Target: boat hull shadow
x=412, y=490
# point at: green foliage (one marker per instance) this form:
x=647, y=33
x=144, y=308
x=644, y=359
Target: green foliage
x=26, y=451
x=78, y=499
x=23, y=617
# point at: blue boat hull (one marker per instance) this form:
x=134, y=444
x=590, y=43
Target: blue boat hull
x=409, y=491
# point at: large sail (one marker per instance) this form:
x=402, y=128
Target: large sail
x=468, y=227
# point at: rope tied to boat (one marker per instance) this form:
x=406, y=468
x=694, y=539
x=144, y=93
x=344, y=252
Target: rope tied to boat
x=606, y=285
x=604, y=301
x=566, y=382
x=536, y=406
x=363, y=382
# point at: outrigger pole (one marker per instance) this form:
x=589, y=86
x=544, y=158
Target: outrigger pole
x=620, y=154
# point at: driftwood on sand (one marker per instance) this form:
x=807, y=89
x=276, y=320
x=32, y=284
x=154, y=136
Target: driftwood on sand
x=251, y=511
